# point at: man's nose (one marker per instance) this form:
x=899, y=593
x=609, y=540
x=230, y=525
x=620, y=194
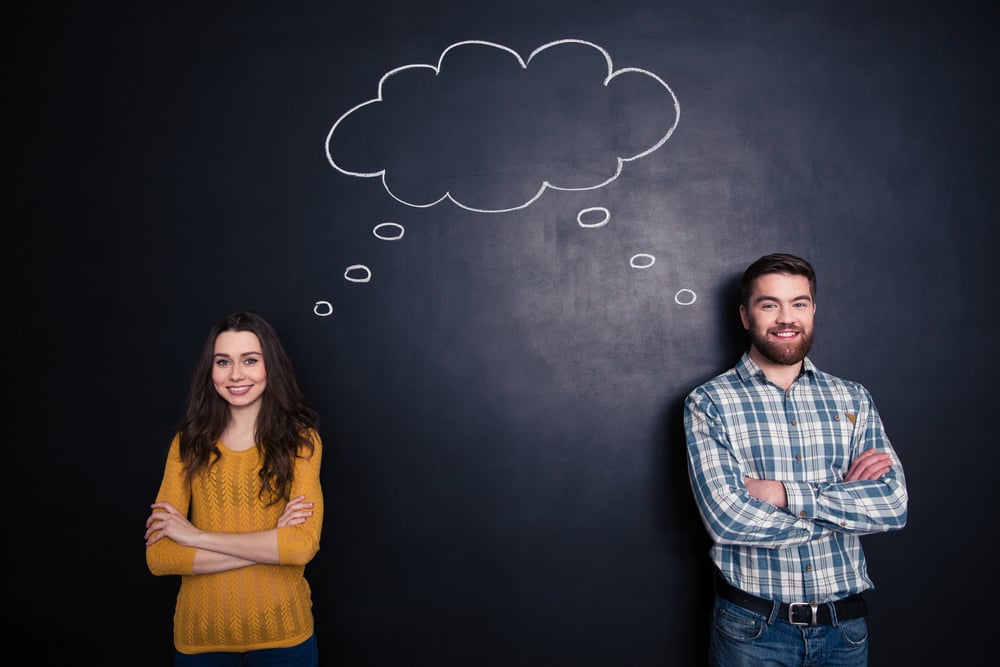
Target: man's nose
x=786, y=314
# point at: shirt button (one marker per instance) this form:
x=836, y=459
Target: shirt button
x=809, y=568
x=836, y=418
x=798, y=457
x=802, y=514
x=794, y=422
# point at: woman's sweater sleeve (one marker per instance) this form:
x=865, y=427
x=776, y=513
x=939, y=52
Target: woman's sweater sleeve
x=297, y=545
x=166, y=556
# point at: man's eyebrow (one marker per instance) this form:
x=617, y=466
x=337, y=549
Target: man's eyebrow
x=768, y=297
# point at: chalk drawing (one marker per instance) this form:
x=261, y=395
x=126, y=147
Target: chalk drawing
x=641, y=261
x=603, y=220
x=685, y=297
x=323, y=308
x=426, y=79
x=379, y=234
x=366, y=273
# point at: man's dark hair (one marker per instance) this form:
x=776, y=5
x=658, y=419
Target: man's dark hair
x=778, y=262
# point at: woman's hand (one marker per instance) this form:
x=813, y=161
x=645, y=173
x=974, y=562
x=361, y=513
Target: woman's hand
x=297, y=510
x=166, y=521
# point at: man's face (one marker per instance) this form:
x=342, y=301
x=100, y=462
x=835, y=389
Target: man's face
x=779, y=318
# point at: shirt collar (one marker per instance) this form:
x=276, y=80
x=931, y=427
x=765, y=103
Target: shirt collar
x=748, y=369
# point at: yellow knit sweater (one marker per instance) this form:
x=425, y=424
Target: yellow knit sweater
x=254, y=607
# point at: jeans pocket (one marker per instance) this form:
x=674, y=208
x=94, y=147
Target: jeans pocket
x=737, y=623
x=854, y=631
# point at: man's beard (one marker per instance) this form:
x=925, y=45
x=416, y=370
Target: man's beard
x=787, y=354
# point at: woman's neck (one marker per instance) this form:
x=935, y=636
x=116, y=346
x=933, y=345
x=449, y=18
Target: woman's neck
x=240, y=433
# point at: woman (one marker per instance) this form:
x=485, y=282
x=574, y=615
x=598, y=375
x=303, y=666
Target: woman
x=240, y=509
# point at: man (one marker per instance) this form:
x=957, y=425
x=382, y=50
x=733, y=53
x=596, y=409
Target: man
x=789, y=467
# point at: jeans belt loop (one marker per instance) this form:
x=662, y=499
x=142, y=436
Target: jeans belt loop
x=791, y=612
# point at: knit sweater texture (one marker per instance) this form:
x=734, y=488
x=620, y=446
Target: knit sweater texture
x=249, y=608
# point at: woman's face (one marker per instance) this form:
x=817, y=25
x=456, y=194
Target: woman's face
x=238, y=371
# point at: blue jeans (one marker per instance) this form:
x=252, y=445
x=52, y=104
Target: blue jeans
x=303, y=655
x=742, y=638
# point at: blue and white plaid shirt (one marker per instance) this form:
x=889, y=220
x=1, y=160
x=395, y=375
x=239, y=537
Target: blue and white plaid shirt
x=740, y=425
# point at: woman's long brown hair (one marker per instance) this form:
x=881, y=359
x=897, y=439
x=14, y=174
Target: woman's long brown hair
x=282, y=429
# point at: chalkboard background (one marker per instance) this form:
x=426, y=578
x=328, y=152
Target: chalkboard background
x=502, y=399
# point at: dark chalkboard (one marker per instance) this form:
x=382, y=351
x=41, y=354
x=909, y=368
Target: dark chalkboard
x=501, y=242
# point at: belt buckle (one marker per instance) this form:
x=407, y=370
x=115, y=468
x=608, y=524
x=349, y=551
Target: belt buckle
x=791, y=612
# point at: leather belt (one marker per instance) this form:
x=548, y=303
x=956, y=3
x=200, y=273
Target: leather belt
x=796, y=613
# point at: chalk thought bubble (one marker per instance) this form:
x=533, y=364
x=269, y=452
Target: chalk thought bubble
x=490, y=131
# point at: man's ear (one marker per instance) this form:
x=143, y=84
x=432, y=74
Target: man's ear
x=746, y=320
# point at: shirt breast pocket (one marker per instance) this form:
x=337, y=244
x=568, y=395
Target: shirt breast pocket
x=832, y=438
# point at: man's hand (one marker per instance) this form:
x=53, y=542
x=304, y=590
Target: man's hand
x=768, y=490
x=870, y=465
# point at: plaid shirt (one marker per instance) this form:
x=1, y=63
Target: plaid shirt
x=740, y=425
